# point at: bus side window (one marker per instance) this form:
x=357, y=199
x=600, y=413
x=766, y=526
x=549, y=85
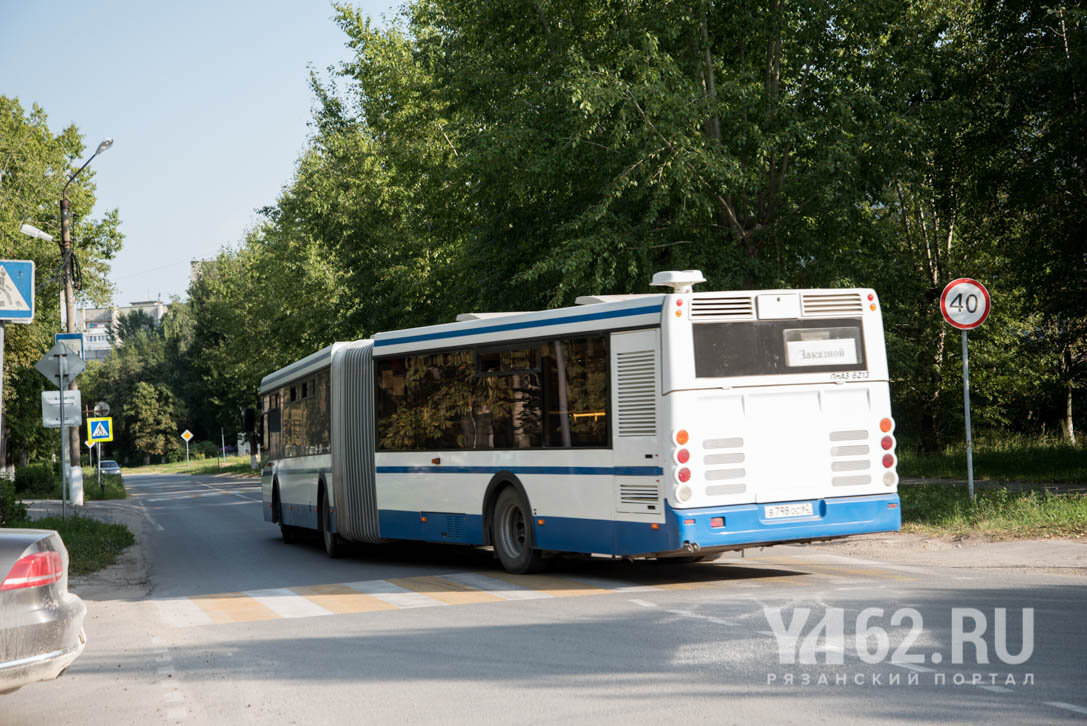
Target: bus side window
x=576, y=398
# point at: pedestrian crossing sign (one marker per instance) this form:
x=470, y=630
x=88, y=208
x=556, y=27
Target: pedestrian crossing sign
x=99, y=429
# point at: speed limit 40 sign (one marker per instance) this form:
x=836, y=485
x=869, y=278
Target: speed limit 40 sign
x=965, y=303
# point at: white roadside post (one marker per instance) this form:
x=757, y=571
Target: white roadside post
x=965, y=304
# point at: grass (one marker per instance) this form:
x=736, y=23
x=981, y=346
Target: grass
x=91, y=544
x=233, y=465
x=1007, y=459
x=113, y=487
x=939, y=509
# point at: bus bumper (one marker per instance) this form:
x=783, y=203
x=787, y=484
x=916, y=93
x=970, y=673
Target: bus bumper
x=746, y=524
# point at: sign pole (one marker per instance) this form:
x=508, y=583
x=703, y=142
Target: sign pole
x=965, y=304
x=101, y=488
x=186, y=454
x=966, y=407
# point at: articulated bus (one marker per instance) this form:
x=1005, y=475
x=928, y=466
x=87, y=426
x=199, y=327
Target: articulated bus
x=674, y=425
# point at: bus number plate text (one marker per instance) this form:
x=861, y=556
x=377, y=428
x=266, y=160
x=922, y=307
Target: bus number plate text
x=779, y=511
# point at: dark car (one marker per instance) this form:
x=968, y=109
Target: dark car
x=41, y=623
x=109, y=466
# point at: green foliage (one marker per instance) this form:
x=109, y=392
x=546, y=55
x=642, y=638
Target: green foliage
x=152, y=413
x=34, y=165
x=91, y=545
x=12, y=510
x=997, y=512
x=34, y=480
x=205, y=449
x=113, y=486
x=1009, y=458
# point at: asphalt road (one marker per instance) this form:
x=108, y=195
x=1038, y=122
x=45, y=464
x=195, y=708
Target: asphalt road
x=237, y=627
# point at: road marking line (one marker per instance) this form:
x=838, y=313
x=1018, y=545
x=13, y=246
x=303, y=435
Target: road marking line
x=911, y=667
x=287, y=604
x=448, y=591
x=341, y=599
x=1067, y=706
x=996, y=689
x=504, y=590
x=644, y=603
x=234, y=607
x=182, y=612
x=394, y=594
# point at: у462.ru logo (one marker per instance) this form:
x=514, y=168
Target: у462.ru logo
x=969, y=636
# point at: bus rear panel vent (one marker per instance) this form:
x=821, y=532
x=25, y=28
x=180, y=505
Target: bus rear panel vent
x=814, y=305
x=636, y=393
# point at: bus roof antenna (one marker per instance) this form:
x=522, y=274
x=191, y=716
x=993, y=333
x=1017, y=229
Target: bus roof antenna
x=681, y=281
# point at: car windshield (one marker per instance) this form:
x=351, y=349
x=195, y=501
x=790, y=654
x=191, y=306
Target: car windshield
x=109, y=462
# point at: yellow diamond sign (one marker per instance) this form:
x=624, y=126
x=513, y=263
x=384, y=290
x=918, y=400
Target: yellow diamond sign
x=187, y=436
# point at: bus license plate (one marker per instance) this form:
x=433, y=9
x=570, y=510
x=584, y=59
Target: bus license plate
x=778, y=511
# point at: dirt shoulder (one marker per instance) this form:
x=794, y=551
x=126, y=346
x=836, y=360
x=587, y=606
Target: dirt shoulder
x=1050, y=556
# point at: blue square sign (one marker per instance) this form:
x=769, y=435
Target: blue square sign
x=17, y=290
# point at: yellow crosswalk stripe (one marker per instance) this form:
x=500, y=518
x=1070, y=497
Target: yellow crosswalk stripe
x=341, y=599
x=448, y=591
x=234, y=607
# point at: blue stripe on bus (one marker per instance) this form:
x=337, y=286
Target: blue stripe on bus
x=627, y=312
x=743, y=524
x=558, y=470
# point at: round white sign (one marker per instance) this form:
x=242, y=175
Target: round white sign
x=965, y=303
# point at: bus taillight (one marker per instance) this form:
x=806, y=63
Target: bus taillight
x=682, y=437
x=888, y=461
x=683, y=456
x=886, y=425
x=887, y=442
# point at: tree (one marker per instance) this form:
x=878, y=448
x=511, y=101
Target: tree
x=152, y=413
x=34, y=165
x=128, y=324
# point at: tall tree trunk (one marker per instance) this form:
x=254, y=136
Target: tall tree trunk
x=1067, y=425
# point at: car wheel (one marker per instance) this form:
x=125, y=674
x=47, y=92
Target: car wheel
x=512, y=534
x=333, y=544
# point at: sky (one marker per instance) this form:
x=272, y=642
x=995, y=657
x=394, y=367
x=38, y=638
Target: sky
x=207, y=103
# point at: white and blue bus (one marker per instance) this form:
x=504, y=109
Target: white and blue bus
x=673, y=425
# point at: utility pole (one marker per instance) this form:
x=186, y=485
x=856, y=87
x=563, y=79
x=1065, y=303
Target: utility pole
x=67, y=270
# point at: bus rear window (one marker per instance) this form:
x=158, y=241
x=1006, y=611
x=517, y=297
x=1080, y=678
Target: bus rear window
x=774, y=347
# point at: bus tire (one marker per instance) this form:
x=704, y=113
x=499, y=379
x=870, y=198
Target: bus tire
x=332, y=541
x=512, y=534
x=289, y=533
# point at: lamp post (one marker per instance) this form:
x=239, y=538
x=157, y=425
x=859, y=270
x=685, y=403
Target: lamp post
x=66, y=273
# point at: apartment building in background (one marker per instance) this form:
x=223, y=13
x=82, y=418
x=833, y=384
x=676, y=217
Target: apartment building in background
x=97, y=322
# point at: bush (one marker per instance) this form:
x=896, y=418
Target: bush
x=11, y=509
x=207, y=449
x=36, y=479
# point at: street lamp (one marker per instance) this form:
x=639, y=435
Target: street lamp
x=66, y=272
x=32, y=231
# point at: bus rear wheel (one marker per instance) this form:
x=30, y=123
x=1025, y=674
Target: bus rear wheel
x=333, y=544
x=512, y=534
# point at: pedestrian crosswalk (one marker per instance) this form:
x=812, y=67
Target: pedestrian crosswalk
x=463, y=588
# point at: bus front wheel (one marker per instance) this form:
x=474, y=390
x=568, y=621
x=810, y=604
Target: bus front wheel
x=512, y=534
x=289, y=533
